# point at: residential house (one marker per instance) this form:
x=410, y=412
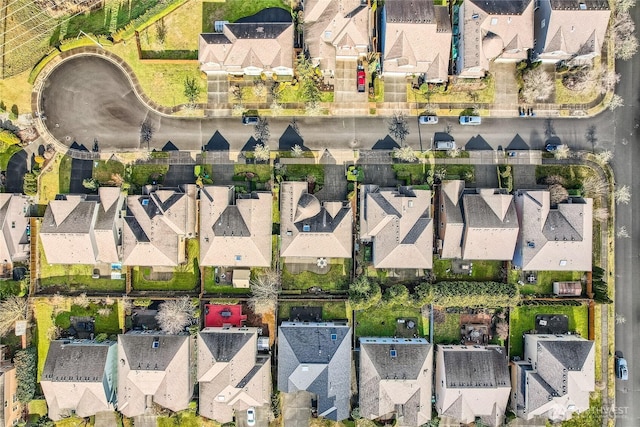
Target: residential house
x=11, y=410
x=79, y=378
x=88, y=227
x=153, y=368
x=316, y=357
x=235, y=229
x=248, y=48
x=416, y=39
x=398, y=224
x=555, y=377
x=494, y=30
x=232, y=376
x=476, y=224
x=336, y=30
x=396, y=376
x=14, y=222
x=570, y=29
x=310, y=229
x=553, y=237
x=472, y=382
x=157, y=225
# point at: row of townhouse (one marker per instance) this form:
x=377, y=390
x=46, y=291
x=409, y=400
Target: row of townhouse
x=414, y=37
x=397, y=376
x=234, y=229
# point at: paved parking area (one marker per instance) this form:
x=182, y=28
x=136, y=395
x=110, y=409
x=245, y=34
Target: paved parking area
x=217, y=89
x=506, y=85
x=179, y=174
x=297, y=409
x=16, y=169
x=335, y=184
x=262, y=419
x=395, y=88
x=345, y=82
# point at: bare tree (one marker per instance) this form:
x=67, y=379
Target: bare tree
x=608, y=81
x=259, y=89
x=594, y=187
x=622, y=233
x=261, y=152
x=454, y=152
x=538, y=85
x=624, y=5
x=405, y=154
x=296, y=151
x=604, y=157
x=104, y=312
x=562, y=152
x=502, y=330
x=555, y=179
x=312, y=108
x=146, y=132
x=109, y=301
x=398, y=127
x=175, y=315
x=264, y=292
x=558, y=194
x=440, y=173
x=12, y=309
x=81, y=300
x=626, y=48
x=262, y=131
x=615, y=102
x=622, y=195
x=276, y=108
x=620, y=319
x=601, y=214
x=623, y=32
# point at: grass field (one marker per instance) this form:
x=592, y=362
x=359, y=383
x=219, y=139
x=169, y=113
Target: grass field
x=102, y=170
x=50, y=182
x=16, y=90
x=185, y=277
x=64, y=174
x=381, y=320
x=337, y=278
x=546, y=279
x=448, y=331
x=232, y=10
x=103, y=324
x=181, y=34
x=573, y=175
x=6, y=155
x=144, y=174
x=481, y=271
x=211, y=287
x=331, y=310
x=523, y=318
x=263, y=172
x=185, y=419
x=302, y=172
x=43, y=314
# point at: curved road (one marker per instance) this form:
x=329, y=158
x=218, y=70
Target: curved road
x=88, y=97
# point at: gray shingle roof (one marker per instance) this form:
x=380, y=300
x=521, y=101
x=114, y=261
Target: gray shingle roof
x=576, y=4
x=502, y=7
x=262, y=30
x=224, y=346
x=316, y=357
x=143, y=355
x=76, y=362
x=415, y=12
x=476, y=369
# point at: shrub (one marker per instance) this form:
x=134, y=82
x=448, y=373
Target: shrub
x=363, y=293
x=475, y=294
x=25, y=363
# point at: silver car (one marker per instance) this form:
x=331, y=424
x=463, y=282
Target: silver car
x=428, y=120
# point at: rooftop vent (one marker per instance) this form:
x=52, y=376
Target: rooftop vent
x=306, y=227
x=155, y=343
x=334, y=337
x=145, y=202
x=393, y=353
x=583, y=6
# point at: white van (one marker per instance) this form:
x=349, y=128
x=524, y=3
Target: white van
x=470, y=120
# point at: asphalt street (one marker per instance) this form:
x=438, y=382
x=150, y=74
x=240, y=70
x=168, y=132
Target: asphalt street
x=87, y=97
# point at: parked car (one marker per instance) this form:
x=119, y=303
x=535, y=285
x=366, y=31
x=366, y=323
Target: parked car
x=444, y=145
x=552, y=147
x=251, y=416
x=428, y=120
x=250, y=120
x=362, y=81
x=470, y=120
x=622, y=371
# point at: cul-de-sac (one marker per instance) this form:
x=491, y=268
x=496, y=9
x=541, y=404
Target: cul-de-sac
x=319, y=213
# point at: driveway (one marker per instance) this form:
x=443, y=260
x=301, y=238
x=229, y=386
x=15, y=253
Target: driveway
x=179, y=174
x=395, y=88
x=217, y=90
x=346, y=85
x=16, y=169
x=80, y=170
x=297, y=409
x=262, y=419
x=504, y=74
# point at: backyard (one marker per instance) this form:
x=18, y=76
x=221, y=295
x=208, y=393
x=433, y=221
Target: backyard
x=175, y=33
x=382, y=320
x=331, y=310
x=545, y=279
x=573, y=175
x=184, y=277
x=446, y=328
x=522, y=319
x=482, y=271
x=232, y=10
x=335, y=279
x=211, y=287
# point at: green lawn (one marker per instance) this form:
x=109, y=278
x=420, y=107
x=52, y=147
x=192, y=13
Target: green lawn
x=103, y=170
x=108, y=325
x=331, y=310
x=49, y=184
x=64, y=175
x=482, y=271
x=337, y=278
x=411, y=173
x=381, y=320
x=573, y=175
x=292, y=93
x=37, y=407
x=448, y=331
x=546, y=279
x=74, y=276
x=144, y=174
x=43, y=314
x=185, y=277
x=211, y=287
x=185, y=419
x=7, y=154
x=232, y=10
x=301, y=172
x=522, y=319
x=262, y=172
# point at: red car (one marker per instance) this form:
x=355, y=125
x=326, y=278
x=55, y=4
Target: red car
x=362, y=81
